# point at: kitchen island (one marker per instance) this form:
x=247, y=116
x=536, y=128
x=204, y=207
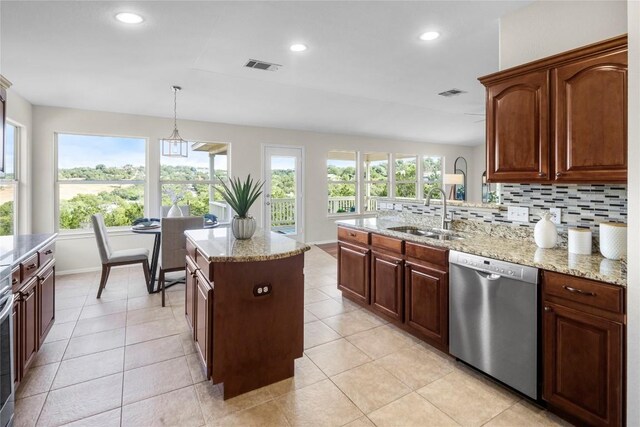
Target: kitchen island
x=244, y=303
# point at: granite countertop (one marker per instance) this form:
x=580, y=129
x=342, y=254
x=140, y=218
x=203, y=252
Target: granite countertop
x=14, y=249
x=516, y=248
x=219, y=245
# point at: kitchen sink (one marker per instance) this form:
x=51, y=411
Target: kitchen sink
x=432, y=234
x=445, y=237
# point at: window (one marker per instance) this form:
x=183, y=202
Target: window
x=9, y=183
x=191, y=181
x=376, y=179
x=406, y=176
x=99, y=174
x=342, y=182
x=431, y=176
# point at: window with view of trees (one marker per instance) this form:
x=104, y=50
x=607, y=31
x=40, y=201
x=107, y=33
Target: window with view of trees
x=192, y=181
x=9, y=183
x=342, y=182
x=431, y=175
x=376, y=179
x=99, y=174
x=406, y=176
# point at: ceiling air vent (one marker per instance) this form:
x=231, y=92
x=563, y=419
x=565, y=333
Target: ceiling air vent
x=262, y=65
x=452, y=92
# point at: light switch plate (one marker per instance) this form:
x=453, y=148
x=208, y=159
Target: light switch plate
x=518, y=214
x=556, y=215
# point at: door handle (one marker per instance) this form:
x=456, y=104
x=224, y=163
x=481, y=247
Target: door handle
x=268, y=203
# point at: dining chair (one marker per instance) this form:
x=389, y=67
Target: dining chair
x=111, y=258
x=174, y=245
x=186, y=210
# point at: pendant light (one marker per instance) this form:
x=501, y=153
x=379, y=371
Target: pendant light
x=174, y=145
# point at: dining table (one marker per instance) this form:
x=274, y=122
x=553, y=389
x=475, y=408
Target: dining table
x=155, y=230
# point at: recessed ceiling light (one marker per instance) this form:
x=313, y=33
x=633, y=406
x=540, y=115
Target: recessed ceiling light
x=429, y=35
x=298, y=47
x=129, y=18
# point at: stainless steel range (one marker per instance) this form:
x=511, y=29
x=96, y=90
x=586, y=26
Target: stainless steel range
x=493, y=319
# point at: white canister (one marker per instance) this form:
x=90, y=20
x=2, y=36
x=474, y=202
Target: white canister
x=613, y=240
x=580, y=241
x=545, y=233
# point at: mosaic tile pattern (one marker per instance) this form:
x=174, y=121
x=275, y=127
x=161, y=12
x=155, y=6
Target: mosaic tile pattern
x=582, y=205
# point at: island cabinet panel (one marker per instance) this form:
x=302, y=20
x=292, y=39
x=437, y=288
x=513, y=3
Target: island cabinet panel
x=517, y=129
x=427, y=299
x=386, y=285
x=17, y=340
x=29, y=324
x=46, y=304
x=203, y=321
x=591, y=119
x=353, y=271
x=190, y=292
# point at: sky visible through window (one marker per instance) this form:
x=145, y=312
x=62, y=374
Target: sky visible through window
x=9, y=159
x=88, y=150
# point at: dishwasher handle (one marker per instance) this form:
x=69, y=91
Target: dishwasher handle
x=488, y=276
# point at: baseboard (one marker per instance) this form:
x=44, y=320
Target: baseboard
x=322, y=242
x=77, y=271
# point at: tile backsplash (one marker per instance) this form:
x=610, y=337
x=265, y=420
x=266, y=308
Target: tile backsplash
x=583, y=205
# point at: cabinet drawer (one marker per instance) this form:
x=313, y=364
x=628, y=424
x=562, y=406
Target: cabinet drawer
x=427, y=253
x=351, y=235
x=191, y=250
x=47, y=253
x=204, y=265
x=388, y=243
x=29, y=267
x=15, y=279
x=584, y=291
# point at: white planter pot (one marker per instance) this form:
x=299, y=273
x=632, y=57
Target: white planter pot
x=613, y=240
x=174, y=211
x=545, y=232
x=243, y=228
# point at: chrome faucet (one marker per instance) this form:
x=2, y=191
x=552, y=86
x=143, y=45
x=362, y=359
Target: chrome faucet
x=445, y=220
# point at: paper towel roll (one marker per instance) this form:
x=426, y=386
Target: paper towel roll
x=613, y=240
x=580, y=241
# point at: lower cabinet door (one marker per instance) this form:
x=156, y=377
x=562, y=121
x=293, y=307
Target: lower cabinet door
x=427, y=302
x=17, y=340
x=583, y=357
x=353, y=271
x=30, y=337
x=204, y=321
x=386, y=285
x=46, y=292
x=189, y=296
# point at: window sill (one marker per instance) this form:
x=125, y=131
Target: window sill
x=71, y=235
x=352, y=216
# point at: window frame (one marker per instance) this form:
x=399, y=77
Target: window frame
x=367, y=182
x=424, y=182
x=15, y=182
x=356, y=182
x=416, y=181
x=58, y=182
x=212, y=181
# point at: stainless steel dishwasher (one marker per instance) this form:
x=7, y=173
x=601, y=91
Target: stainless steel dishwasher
x=493, y=319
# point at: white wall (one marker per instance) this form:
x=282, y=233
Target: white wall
x=246, y=157
x=546, y=28
x=20, y=113
x=633, y=274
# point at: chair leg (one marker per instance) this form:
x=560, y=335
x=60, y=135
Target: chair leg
x=145, y=269
x=161, y=280
x=106, y=269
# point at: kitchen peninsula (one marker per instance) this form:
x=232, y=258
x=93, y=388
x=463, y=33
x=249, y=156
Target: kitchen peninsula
x=244, y=303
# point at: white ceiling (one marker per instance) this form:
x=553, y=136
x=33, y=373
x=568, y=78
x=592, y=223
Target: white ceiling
x=365, y=72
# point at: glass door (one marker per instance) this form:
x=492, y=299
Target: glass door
x=283, y=191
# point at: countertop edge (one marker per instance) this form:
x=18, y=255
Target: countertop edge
x=258, y=258
x=34, y=248
x=548, y=267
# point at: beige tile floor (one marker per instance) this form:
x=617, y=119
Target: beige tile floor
x=125, y=360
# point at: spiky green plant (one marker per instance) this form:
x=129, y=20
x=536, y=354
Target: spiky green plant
x=241, y=195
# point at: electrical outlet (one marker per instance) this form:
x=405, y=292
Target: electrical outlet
x=262, y=289
x=518, y=214
x=556, y=215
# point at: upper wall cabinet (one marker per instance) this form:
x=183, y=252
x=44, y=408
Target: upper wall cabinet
x=560, y=119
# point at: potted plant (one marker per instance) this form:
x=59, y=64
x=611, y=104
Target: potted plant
x=240, y=196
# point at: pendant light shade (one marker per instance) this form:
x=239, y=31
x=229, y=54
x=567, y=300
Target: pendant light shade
x=174, y=145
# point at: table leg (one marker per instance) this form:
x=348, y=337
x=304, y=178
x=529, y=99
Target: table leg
x=154, y=263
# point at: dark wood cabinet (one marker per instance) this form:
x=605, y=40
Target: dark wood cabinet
x=29, y=324
x=517, y=129
x=387, y=285
x=4, y=84
x=189, y=294
x=204, y=320
x=46, y=305
x=560, y=119
x=353, y=271
x=427, y=302
x=583, y=349
x=591, y=119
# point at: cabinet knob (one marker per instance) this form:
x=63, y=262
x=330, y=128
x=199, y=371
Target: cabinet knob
x=352, y=234
x=542, y=174
x=547, y=308
x=558, y=174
